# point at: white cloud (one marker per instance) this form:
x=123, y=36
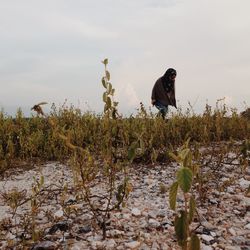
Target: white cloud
x=55, y=48
x=128, y=96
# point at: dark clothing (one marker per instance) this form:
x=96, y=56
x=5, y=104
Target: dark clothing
x=164, y=92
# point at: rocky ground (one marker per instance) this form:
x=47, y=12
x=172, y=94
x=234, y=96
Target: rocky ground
x=145, y=223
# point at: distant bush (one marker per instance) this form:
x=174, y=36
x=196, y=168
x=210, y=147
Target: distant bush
x=31, y=138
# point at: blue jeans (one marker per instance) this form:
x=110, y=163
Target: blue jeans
x=162, y=109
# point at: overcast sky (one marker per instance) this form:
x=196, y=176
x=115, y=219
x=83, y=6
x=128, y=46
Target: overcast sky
x=51, y=50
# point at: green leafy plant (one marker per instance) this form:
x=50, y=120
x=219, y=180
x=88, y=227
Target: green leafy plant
x=112, y=171
x=110, y=107
x=184, y=217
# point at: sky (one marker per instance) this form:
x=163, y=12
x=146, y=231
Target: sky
x=51, y=50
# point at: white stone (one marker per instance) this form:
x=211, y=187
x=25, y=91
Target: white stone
x=10, y=236
x=146, y=236
x=110, y=244
x=154, y=223
x=132, y=244
x=116, y=233
x=145, y=247
x=247, y=226
x=208, y=225
x=97, y=244
x=136, y=212
x=230, y=190
x=152, y=214
x=232, y=231
x=45, y=245
x=237, y=212
x=205, y=247
x=162, y=213
x=79, y=246
x=207, y=238
x=126, y=216
x=164, y=246
x=244, y=183
x=155, y=246
x=213, y=234
x=58, y=213
x=246, y=201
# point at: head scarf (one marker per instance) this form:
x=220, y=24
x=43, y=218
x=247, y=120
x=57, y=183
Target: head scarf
x=167, y=82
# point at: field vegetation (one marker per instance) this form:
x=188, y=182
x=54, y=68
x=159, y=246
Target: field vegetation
x=106, y=146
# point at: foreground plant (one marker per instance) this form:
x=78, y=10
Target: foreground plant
x=113, y=173
x=186, y=238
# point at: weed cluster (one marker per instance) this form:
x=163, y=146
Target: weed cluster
x=104, y=146
x=30, y=139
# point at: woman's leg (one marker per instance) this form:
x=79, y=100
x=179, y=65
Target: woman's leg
x=162, y=109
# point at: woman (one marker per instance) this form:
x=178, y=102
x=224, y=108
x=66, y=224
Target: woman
x=163, y=93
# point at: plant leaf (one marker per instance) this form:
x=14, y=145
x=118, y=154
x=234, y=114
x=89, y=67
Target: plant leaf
x=104, y=82
x=181, y=228
x=194, y=243
x=173, y=194
x=112, y=91
x=187, y=161
x=107, y=75
x=42, y=180
x=175, y=157
x=192, y=207
x=132, y=151
x=109, y=88
x=104, y=97
x=108, y=102
x=105, y=61
x=184, y=178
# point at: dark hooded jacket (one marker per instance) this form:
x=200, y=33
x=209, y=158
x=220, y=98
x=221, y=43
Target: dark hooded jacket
x=164, y=89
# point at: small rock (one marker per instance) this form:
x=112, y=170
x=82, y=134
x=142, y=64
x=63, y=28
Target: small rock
x=246, y=201
x=208, y=225
x=79, y=246
x=71, y=200
x=205, y=247
x=62, y=226
x=94, y=238
x=162, y=213
x=116, y=233
x=230, y=190
x=97, y=244
x=136, y=212
x=247, y=226
x=126, y=216
x=207, y=238
x=10, y=236
x=58, y=214
x=110, y=244
x=233, y=248
x=146, y=236
x=152, y=214
x=144, y=247
x=85, y=229
x=213, y=234
x=239, y=240
x=154, y=223
x=232, y=231
x=155, y=246
x=244, y=183
x=132, y=244
x=164, y=246
x=213, y=201
x=44, y=245
x=237, y=212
